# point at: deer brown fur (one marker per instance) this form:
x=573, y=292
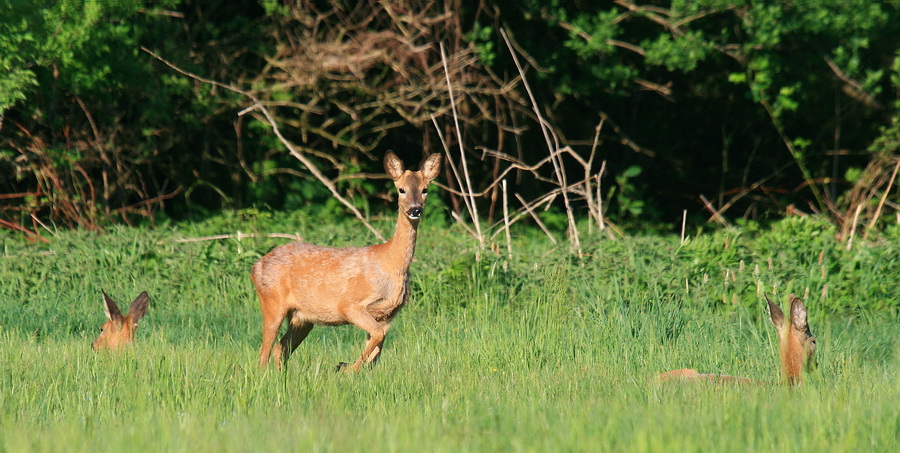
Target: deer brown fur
x=365, y=286
x=798, y=346
x=797, y=349
x=119, y=329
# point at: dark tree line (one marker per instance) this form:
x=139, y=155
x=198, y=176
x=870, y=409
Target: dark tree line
x=736, y=108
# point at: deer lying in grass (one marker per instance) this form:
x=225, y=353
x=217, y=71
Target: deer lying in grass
x=798, y=348
x=118, y=330
x=364, y=286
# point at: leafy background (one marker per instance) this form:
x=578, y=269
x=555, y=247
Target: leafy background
x=792, y=105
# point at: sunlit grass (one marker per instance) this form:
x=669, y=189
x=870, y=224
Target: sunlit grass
x=541, y=353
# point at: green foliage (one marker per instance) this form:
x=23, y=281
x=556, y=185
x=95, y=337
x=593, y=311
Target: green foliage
x=483, y=37
x=589, y=34
x=629, y=198
x=736, y=81
x=79, y=42
x=99, y=127
x=713, y=95
x=681, y=53
x=38, y=34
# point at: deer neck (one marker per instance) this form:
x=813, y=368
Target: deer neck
x=791, y=359
x=400, y=248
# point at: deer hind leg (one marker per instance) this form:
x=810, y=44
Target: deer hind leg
x=377, y=332
x=271, y=323
x=295, y=335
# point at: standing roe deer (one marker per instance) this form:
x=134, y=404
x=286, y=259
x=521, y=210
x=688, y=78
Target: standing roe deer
x=363, y=286
x=798, y=348
x=119, y=330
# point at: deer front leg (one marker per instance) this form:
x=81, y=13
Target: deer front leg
x=377, y=331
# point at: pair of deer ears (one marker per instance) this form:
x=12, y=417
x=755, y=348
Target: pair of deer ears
x=430, y=167
x=137, y=309
x=798, y=313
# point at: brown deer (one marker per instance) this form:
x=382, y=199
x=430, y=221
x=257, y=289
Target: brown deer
x=798, y=348
x=364, y=286
x=118, y=330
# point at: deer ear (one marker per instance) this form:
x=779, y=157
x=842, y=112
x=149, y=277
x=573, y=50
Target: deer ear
x=431, y=167
x=775, y=313
x=798, y=313
x=139, y=307
x=112, y=311
x=393, y=166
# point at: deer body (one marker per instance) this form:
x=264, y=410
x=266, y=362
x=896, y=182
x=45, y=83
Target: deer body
x=686, y=374
x=797, y=349
x=364, y=286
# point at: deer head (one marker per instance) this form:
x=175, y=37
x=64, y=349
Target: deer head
x=412, y=185
x=118, y=330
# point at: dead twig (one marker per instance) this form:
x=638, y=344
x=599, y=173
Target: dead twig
x=239, y=236
x=859, y=208
x=31, y=235
x=712, y=210
x=851, y=87
x=557, y=163
x=536, y=219
x=506, y=222
x=883, y=199
x=470, y=204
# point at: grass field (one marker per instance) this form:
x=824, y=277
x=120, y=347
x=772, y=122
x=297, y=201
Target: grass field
x=541, y=352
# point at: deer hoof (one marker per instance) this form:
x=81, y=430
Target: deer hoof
x=342, y=366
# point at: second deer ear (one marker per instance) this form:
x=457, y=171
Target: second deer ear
x=798, y=313
x=393, y=166
x=431, y=167
x=112, y=311
x=776, y=313
x=139, y=307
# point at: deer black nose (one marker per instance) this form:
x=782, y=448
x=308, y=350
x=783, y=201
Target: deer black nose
x=414, y=212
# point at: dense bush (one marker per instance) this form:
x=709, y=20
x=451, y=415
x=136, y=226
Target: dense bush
x=765, y=107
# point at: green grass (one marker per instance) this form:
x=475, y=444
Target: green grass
x=537, y=353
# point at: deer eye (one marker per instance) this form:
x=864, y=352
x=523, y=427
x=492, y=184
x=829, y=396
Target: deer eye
x=424, y=191
x=401, y=191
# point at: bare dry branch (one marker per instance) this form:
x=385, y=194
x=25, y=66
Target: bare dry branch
x=536, y=218
x=712, y=210
x=557, y=164
x=239, y=236
x=887, y=191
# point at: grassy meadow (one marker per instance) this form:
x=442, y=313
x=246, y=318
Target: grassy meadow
x=538, y=352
